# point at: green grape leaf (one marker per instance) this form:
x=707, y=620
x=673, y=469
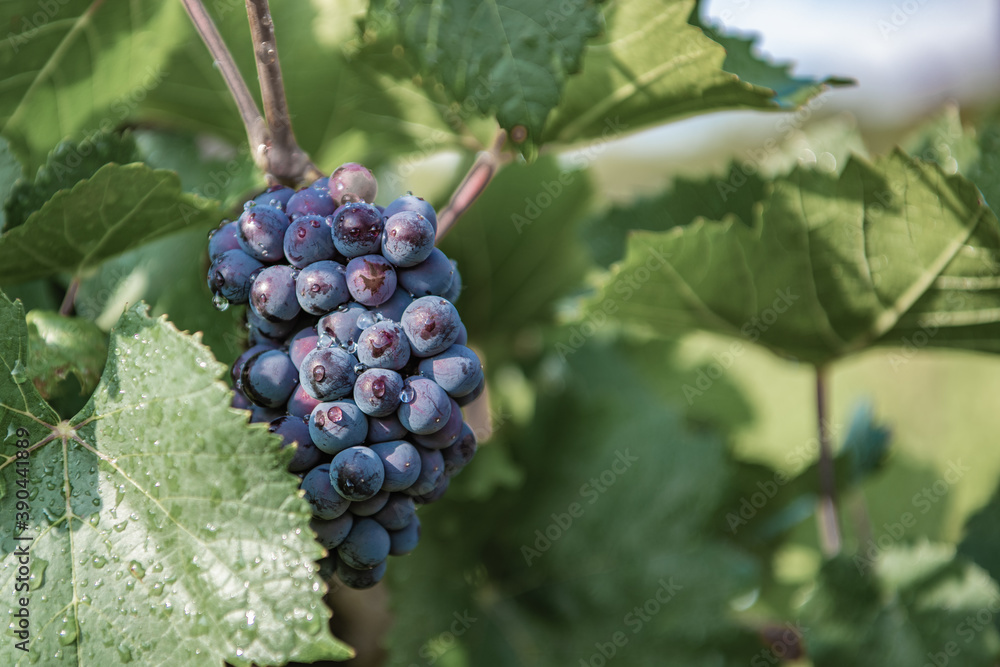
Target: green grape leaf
x=10, y=172
x=618, y=519
x=68, y=164
x=164, y=529
x=119, y=208
x=830, y=264
x=510, y=58
x=59, y=346
x=981, y=542
x=651, y=66
x=905, y=605
x=75, y=66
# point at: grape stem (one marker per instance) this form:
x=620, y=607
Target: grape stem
x=287, y=162
x=829, y=522
x=479, y=176
x=258, y=134
x=68, y=305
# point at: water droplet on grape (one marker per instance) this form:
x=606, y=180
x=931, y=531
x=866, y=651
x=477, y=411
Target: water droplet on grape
x=378, y=388
x=249, y=205
x=335, y=414
x=365, y=320
x=324, y=340
x=352, y=347
x=407, y=394
x=319, y=374
x=360, y=368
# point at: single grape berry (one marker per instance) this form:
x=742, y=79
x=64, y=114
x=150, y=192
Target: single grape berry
x=276, y=196
x=268, y=379
x=340, y=327
x=384, y=429
x=308, y=240
x=321, y=287
x=402, y=542
x=425, y=406
x=431, y=472
x=237, y=369
x=337, y=425
x=357, y=473
x=397, y=512
x=352, y=182
x=408, y=239
x=366, y=545
x=272, y=294
x=222, y=239
x=401, y=463
x=301, y=404
x=261, y=233
x=384, y=345
x=458, y=455
x=332, y=532
x=309, y=201
x=377, y=390
x=431, y=325
x=295, y=430
x=457, y=369
x=360, y=579
x=302, y=344
x=370, y=506
x=409, y=202
x=433, y=276
x=371, y=279
x=229, y=276
x=264, y=332
x=357, y=229
x=319, y=492
x=446, y=435
x=328, y=373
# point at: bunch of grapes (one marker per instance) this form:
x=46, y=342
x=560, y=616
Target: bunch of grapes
x=356, y=354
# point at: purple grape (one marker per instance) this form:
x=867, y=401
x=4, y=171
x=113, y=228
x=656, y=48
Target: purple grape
x=455, y=290
x=341, y=326
x=294, y=429
x=383, y=345
x=230, y=275
x=447, y=435
x=425, y=406
x=463, y=335
x=321, y=183
x=394, y=307
x=237, y=368
x=457, y=369
x=276, y=196
x=271, y=332
x=222, y=239
x=434, y=494
x=366, y=545
x=331, y=533
x=409, y=202
x=401, y=463
x=328, y=373
x=357, y=473
x=433, y=276
x=337, y=425
x=370, y=506
x=326, y=502
x=360, y=579
x=310, y=201
x=408, y=239
x=376, y=391
x=371, y=279
x=272, y=294
x=357, y=229
x=308, y=240
x=397, y=513
x=261, y=415
x=431, y=472
x=268, y=378
x=301, y=404
x=261, y=233
x=459, y=454
x=241, y=402
x=321, y=287
x=302, y=344
x=472, y=395
x=431, y=325
x=352, y=182
x=402, y=542
x=384, y=429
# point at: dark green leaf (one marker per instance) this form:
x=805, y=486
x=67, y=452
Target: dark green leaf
x=10, y=172
x=72, y=67
x=59, y=346
x=68, y=164
x=829, y=265
x=119, y=208
x=652, y=66
x=165, y=529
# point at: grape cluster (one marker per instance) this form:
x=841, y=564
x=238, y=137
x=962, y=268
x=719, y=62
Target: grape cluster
x=356, y=354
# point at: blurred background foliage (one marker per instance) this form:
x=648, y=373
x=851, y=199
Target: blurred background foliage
x=667, y=482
